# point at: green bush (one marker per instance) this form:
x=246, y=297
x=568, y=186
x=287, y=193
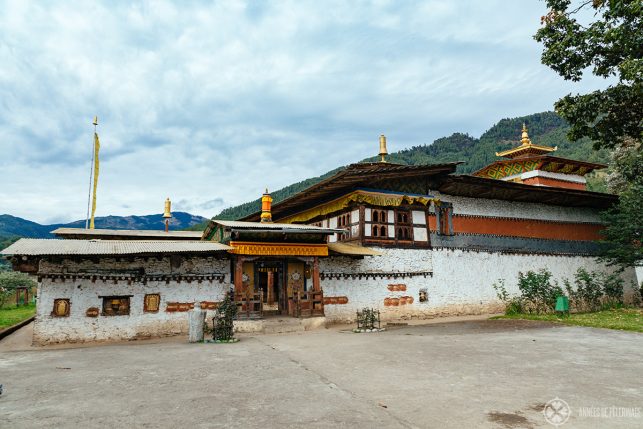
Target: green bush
x=612, y=290
x=538, y=292
x=9, y=281
x=513, y=304
x=588, y=293
x=594, y=290
x=591, y=291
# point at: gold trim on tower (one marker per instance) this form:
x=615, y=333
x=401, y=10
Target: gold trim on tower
x=278, y=249
x=526, y=147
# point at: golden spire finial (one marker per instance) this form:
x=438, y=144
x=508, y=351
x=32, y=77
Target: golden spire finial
x=95, y=120
x=525, y=136
x=167, y=214
x=383, y=151
x=266, y=208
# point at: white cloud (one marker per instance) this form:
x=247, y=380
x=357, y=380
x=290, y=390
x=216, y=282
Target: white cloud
x=209, y=103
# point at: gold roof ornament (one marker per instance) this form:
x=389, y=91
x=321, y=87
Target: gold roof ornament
x=266, y=207
x=526, y=147
x=168, y=209
x=525, y=135
x=383, y=151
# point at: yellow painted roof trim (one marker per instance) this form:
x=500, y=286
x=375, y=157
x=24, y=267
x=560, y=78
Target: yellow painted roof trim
x=528, y=146
x=370, y=197
x=352, y=249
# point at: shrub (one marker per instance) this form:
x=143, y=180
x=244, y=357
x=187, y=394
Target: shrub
x=223, y=321
x=588, y=290
x=538, y=292
x=612, y=289
x=513, y=305
x=595, y=290
x=10, y=281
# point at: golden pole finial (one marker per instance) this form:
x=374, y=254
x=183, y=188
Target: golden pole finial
x=167, y=213
x=266, y=207
x=383, y=151
x=525, y=136
x=95, y=120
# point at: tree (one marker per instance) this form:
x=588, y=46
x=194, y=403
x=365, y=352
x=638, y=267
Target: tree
x=612, y=45
x=624, y=231
x=10, y=281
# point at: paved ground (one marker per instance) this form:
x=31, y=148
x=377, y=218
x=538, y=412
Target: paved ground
x=466, y=374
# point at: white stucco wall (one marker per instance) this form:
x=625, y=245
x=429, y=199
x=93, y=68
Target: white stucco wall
x=461, y=283
x=500, y=208
x=84, y=294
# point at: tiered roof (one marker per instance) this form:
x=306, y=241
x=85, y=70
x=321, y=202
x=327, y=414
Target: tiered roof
x=531, y=157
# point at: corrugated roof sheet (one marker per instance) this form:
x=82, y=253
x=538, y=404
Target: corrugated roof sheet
x=134, y=233
x=40, y=247
x=352, y=249
x=269, y=226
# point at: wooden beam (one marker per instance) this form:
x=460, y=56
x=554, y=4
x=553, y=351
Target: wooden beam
x=238, y=275
x=316, y=282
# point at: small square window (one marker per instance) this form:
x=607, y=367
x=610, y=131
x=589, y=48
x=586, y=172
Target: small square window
x=116, y=305
x=61, y=307
x=151, y=303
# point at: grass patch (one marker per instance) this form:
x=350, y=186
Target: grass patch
x=10, y=315
x=625, y=319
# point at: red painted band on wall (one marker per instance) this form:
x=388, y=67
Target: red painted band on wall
x=556, y=183
x=527, y=228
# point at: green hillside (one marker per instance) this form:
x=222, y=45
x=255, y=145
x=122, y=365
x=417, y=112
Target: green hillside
x=545, y=128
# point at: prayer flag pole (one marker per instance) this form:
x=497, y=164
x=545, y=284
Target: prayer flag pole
x=91, y=175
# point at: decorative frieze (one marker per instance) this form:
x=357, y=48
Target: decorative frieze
x=187, y=306
x=115, y=278
x=92, y=312
x=179, y=306
x=209, y=305
x=278, y=249
x=151, y=303
x=332, y=300
x=62, y=307
x=374, y=275
x=395, y=302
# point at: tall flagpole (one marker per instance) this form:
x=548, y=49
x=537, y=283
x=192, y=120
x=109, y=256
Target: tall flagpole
x=91, y=174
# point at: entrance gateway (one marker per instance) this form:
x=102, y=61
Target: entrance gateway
x=278, y=286
x=275, y=267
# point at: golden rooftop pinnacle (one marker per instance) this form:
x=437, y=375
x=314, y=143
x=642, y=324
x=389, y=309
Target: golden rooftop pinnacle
x=383, y=151
x=526, y=147
x=525, y=137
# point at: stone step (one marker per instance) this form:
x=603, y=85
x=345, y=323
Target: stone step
x=279, y=325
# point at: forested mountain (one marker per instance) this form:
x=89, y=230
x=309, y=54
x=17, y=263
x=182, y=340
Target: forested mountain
x=545, y=128
x=12, y=226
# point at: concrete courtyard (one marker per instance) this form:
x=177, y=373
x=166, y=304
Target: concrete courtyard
x=496, y=374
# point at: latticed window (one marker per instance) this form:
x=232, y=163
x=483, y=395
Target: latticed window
x=344, y=221
x=403, y=217
x=379, y=217
x=403, y=233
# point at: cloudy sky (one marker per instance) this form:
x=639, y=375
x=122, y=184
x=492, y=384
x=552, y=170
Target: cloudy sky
x=210, y=102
